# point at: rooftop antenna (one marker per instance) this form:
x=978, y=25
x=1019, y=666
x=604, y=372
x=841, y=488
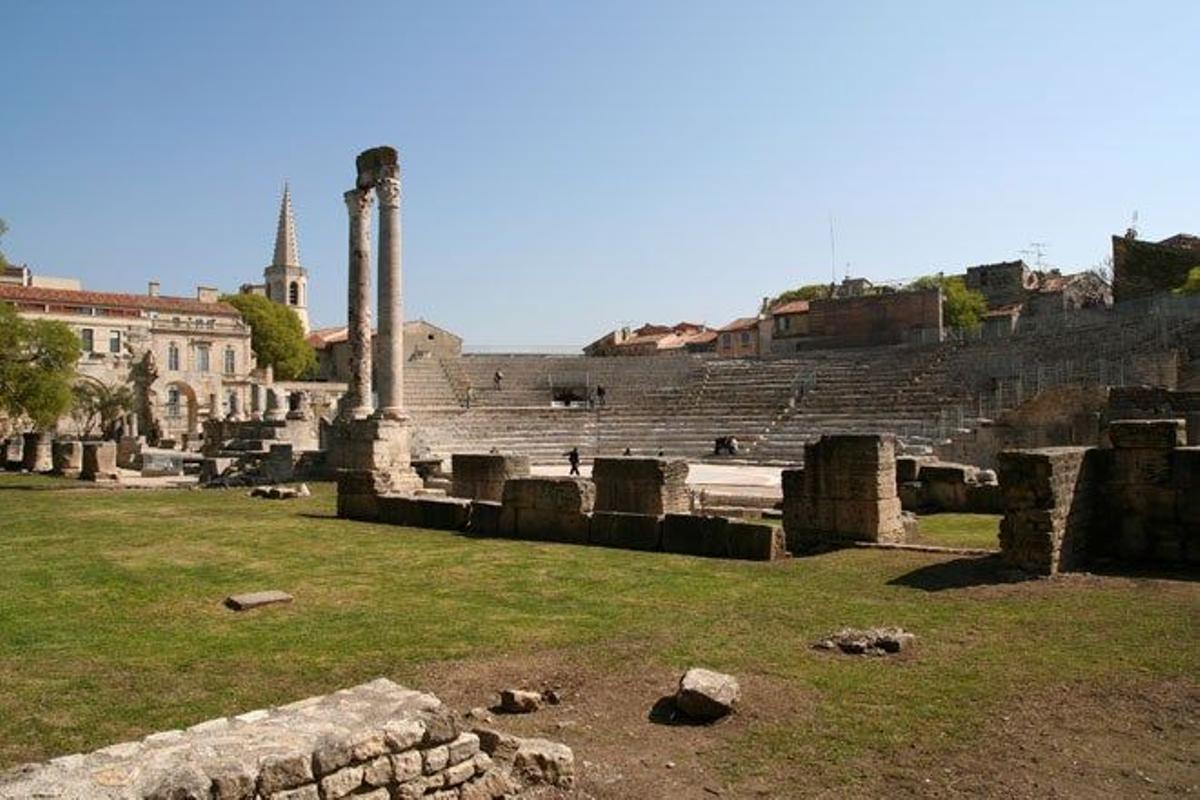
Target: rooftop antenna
x=832, y=252
x=1038, y=251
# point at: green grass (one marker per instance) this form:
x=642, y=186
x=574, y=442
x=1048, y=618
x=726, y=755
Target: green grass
x=961, y=530
x=111, y=624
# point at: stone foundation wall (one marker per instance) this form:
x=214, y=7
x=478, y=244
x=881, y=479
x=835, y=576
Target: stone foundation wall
x=846, y=491
x=652, y=486
x=481, y=476
x=376, y=741
x=548, y=509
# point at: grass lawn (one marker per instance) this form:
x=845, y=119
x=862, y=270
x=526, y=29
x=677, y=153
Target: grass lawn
x=111, y=623
x=961, y=530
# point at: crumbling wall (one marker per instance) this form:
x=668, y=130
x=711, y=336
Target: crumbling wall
x=481, y=476
x=376, y=741
x=846, y=491
x=652, y=486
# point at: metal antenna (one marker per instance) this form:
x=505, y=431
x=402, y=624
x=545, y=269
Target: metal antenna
x=1038, y=251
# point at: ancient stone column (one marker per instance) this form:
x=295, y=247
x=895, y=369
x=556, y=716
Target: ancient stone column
x=391, y=310
x=358, y=313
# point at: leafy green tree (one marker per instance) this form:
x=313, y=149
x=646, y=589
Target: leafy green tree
x=100, y=407
x=1191, y=286
x=962, y=308
x=37, y=367
x=810, y=291
x=277, y=336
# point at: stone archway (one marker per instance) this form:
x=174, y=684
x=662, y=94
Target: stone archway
x=180, y=409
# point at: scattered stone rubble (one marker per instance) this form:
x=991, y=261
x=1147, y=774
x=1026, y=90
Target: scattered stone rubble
x=705, y=695
x=869, y=642
x=376, y=741
x=281, y=492
x=519, y=701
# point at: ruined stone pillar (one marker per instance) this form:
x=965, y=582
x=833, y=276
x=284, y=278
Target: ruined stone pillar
x=358, y=403
x=391, y=310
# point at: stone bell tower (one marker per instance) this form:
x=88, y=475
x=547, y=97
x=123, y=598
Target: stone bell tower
x=287, y=281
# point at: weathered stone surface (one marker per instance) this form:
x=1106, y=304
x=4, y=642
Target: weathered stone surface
x=651, y=486
x=626, y=531
x=249, y=600
x=519, y=701
x=547, y=509
x=315, y=749
x=99, y=462
x=542, y=761
x=692, y=535
x=485, y=518
x=707, y=695
x=1162, y=434
x=67, y=456
x=36, y=453
x=756, y=542
x=1049, y=497
x=481, y=476
x=873, y=641
x=445, y=514
x=497, y=744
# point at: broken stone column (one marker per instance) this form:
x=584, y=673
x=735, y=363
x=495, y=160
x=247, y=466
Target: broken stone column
x=99, y=462
x=652, y=486
x=37, y=455
x=357, y=401
x=373, y=459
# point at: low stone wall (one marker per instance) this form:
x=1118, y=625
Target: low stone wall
x=481, y=476
x=641, y=485
x=845, y=492
x=548, y=509
x=1138, y=501
x=934, y=486
x=376, y=741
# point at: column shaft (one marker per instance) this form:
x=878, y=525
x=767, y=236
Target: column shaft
x=358, y=402
x=391, y=306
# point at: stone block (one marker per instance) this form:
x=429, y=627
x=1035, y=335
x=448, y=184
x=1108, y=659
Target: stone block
x=547, y=509
x=912, y=495
x=868, y=520
x=1141, y=466
x=67, y=456
x=157, y=464
x=249, y=600
x=908, y=468
x=684, y=534
x=99, y=462
x=651, y=486
x=485, y=518
x=433, y=513
x=756, y=542
x=481, y=476
x=36, y=454
x=358, y=493
x=626, y=531
x=545, y=525
x=1148, y=433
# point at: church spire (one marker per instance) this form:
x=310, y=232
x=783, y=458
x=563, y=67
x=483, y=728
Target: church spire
x=287, y=254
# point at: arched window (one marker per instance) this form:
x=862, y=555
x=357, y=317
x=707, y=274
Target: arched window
x=173, y=357
x=294, y=293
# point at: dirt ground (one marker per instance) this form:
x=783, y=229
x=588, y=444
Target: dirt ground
x=1066, y=741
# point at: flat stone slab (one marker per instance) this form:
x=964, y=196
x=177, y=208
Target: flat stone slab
x=249, y=600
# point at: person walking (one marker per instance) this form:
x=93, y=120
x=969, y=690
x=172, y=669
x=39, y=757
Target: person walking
x=573, y=460
x=600, y=393
x=498, y=379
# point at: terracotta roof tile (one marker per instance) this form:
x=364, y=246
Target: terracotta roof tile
x=140, y=302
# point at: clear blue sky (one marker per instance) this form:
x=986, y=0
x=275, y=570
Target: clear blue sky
x=572, y=166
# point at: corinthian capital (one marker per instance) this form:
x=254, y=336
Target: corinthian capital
x=358, y=202
x=388, y=190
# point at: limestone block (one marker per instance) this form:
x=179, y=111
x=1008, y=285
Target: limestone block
x=485, y=518
x=99, y=462
x=908, y=468
x=434, y=513
x=67, y=456
x=159, y=464
x=651, y=486
x=1141, y=466
x=684, y=533
x=912, y=495
x=756, y=542
x=547, y=509
x=626, y=531
x=868, y=520
x=358, y=493
x=1148, y=433
x=36, y=455
x=481, y=476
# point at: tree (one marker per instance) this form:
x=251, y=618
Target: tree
x=99, y=407
x=1191, y=286
x=962, y=308
x=810, y=291
x=277, y=336
x=37, y=367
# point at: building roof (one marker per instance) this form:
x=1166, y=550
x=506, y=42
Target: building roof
x=140, y=302
x=794, y=307
x=287, y=253
x=744, y=323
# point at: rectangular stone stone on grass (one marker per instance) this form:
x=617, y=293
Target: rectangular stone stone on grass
x=653, y=486
x=548, y=509
x=756, y=542
x=433, y=513
x=99, y=462
x=485, y=518
x=481, y=476
x=249, y=600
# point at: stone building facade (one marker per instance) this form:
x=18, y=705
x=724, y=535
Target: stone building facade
x=421, y=340
x=199, y=347
x=1144, y=268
